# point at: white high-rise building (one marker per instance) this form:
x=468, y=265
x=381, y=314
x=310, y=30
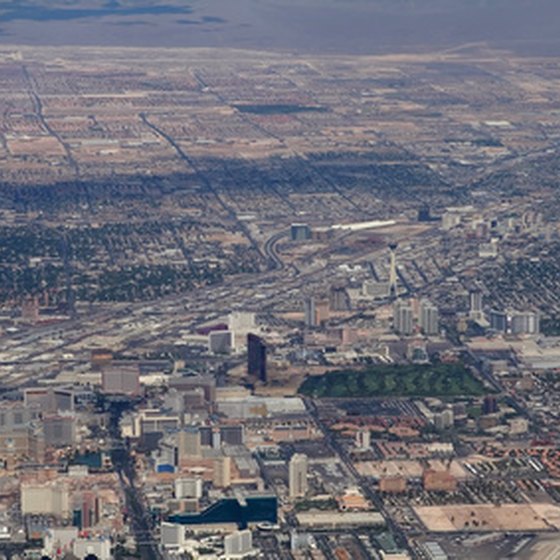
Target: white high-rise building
x=188, y=488
x=524, y=322
x=403, y=318
x=298, y=475
x=515, y=322
x=238, y=544
x=363, y=438
x=45, y=499
x=429, y=318
x=222, y=472
x=240, y=324
x=309, y=312
x=444, y=419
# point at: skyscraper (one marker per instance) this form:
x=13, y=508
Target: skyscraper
x=475, y=305
x=490, y=405
x=241, y=323
x=309, y=312
x=429, y=318
x=498, y=320
x=222, y=472
x=515, y=322
x=298, y=475
x=188, y=488
x=322, y=311
x=188, y=443
x=300, y=232
x=363, y=438
x=402, y=318
x=393, y=271
x=339, y=300
x=524, y=322
x=220, y=342
x=121, y=380
x=316, y=312
x=256, y=357
x=238, y=544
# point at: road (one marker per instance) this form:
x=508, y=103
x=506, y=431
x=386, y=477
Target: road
x=37, y=352
x=271, y=251
x=398, y=534
x=140, y=520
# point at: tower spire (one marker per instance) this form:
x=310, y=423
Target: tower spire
x=393, y=271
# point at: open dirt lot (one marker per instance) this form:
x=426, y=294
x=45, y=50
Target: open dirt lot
x=489, y=517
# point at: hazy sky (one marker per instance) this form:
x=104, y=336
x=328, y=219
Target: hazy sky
x=353, y=26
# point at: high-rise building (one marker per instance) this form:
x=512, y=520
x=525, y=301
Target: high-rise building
x=515, y=322
x=316, y=312
x=322, y=311
x=189, y=444
x=222, y=472
x=300, y=232
x=45, y=499
x=363, y=438
x=233, y=435
x=393, y=293
x=21, y=433
x=22, y=443
x=524, y=322
x=220, y=342
x=49, y=399
x=59, y=430
x=86, y=510
x=188, y=488
x=188, y=383
x=449, y=220
x=309, y=312
x=339, y=300
x=490, y=405
x=429, y=318
x=256, y=357
x=298, y=475
x=444, y=420
x=241, y=323
x=498, y=321
x=424, y=214
x=238, y=544
x=216, y=438
x=227, y=435
x=403, y=318
x=475, y=305
x=122, y=380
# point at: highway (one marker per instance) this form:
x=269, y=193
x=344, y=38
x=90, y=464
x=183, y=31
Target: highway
x=41, y=351
x=271, y=251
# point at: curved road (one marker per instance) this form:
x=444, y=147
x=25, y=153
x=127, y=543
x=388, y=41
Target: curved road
x=275, y=262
